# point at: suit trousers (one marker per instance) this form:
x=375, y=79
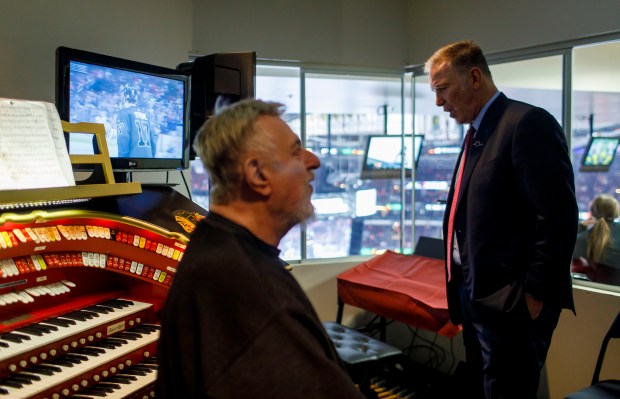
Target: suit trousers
x=505, y=351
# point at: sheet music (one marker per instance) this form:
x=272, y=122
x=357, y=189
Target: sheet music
x=33, y=153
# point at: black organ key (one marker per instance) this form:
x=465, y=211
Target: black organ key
x=43, y=328
x=117, y=303
x=99, y=390
x=44, y=370
x=119, y=340
x=88, y=351
x=90, y=393
x=151, y=361
x=97, y=349
x=32, y=330
x=127, y=376
x=99, y=309
x=89, y=314
x=108, y=386
x=61, y=361
x=144, y=367
x=103, y=345
x=32, y=377
x=19, y=380
x=10, y=383
x=76, y=357
x=145, y=328
x=60, y=322
x=128, y=335
x=121, y=379
x=80, y=315
x=14, y=337
x=134, y=372
x=73, y=316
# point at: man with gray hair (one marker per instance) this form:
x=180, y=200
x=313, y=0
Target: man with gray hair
x=236, y=324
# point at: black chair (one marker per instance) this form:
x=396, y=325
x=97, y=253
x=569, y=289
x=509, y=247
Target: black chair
x=607, y=388
x=430, y=247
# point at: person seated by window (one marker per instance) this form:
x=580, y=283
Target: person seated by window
x=597, y=249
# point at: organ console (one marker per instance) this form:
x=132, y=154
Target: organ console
x=80, y=290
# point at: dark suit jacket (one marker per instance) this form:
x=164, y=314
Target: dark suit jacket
x=516, y=218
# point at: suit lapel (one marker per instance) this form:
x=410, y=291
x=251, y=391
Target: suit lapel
x=487, y=126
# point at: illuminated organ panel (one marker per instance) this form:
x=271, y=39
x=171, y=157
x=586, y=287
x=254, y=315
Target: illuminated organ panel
x=80, y=293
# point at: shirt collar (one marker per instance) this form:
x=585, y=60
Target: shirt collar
x=478, y=120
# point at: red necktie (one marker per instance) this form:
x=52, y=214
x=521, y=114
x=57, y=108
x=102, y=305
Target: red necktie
x=455, y=197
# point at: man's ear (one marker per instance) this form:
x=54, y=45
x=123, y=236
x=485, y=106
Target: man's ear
x=475, y=76
x=256, y=175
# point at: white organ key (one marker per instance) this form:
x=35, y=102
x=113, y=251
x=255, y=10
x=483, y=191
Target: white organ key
x=64, y=332
x=93, y=362
x=102, y=260
x=68, y=283
x=32, y=235
x=82, y=233
x=26, y=296
x=13, y=266
x=126, y=390
x=20, y=236
x=56, y=233
x=36, y=263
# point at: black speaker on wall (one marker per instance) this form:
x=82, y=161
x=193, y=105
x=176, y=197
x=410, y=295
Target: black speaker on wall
x=216, y=80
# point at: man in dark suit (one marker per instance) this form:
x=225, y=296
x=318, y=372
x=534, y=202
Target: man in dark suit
x=509, y=229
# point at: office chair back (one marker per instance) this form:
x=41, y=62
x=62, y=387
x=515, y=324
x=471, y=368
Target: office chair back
x=614, y=332
x=430, y=247
x=607, y=389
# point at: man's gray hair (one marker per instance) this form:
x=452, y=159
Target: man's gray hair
x=224, y=138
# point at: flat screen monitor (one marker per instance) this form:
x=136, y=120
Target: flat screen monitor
x=383, y=157
x=145, y=109
x=217, y=80
x=599, y=154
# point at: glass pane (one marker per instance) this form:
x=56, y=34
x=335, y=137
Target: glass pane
x=441, y=146
x=353, y=215
x=200, y=183
x=273, y=83
x=542, y=86
x=595, y=105
x=282, y=84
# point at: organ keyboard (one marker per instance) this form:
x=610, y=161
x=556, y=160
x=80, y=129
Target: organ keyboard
x=80, y=292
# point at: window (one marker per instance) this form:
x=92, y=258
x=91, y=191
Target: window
x=542, y=86
x=353, y=215
x=595, y=106
x=335, y=112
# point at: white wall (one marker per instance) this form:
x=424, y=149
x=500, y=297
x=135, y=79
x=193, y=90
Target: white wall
x=374, y=33
x=345, y=32
x=152, y=31
x=505, y=25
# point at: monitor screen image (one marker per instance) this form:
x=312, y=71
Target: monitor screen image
x=384, y=156
x=144, y=108
x=599, y=154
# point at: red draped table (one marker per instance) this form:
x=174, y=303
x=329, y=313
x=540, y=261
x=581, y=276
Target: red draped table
x=407, y=288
